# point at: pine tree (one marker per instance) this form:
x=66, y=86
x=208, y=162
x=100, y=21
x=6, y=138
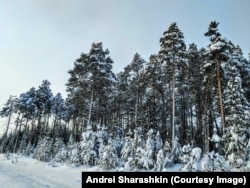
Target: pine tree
x=109, y=159
x=59, y=111
x=57, y=146
x=135, y=69
x=62, y=154
x=137, y=139
x=168, y=161
x=7, y=111
x=176, y=152
x=144, y=157
x=87, y=146
x=155, y=105
x=127, y=150
x=172, y=54
x=196, y=95
x=43, y=103
x=90, y=83
x=158, y=142
x=73, y=152
x=27, y=107
x=218, y=49
x=160, y=160
x=237, y=117
x=43, y=151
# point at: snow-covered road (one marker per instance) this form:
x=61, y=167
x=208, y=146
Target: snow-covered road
x=30, y=173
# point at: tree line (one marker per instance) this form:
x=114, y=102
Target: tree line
x=181, y=92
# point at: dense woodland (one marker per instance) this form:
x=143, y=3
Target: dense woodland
x=152, y=114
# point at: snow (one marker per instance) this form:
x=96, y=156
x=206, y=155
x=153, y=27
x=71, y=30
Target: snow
x=217, y=46
x=27, y=172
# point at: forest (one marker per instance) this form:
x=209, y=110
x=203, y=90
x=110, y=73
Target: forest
x=183, y=105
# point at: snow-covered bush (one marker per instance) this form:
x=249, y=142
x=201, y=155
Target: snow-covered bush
x=43, y=151
x=74, y=154
x=207, y=163
x=168, y=161
x=160, y=160
x=143, y=160
x=176, y=152
x=62, y=155
x=109, y=159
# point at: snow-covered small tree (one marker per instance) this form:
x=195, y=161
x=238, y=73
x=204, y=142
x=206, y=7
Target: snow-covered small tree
x=101, y=147
x=145, y=156
x=160, y=160
x=43, y=151
x=176, y=152
x=87, y=146
x=57, y=146
x=102, y=134
x=62, y=155
x=137, y=139
x=235, y=150
x=191, y=159
x=167, y=153
x=129, y=165
x=127, y=150
x=74, y=154
x=108, y=159
x=158, y=142
x=237, y=117
x=60, y=151
x=29, y=150
x=150, y=144
x=143, y=160
x=88, y=155
x=118, y=143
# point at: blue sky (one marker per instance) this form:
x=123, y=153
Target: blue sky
x=41, y=39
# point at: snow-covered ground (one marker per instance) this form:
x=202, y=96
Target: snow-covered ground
x=27, y=172
x=31, y=173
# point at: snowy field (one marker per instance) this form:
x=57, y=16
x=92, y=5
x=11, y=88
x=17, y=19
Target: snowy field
x=31, y=173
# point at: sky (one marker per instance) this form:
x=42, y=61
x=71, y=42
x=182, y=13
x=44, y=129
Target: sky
x=40, y=40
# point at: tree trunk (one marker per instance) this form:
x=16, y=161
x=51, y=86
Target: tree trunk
x=90, y=107
x=219, y=93
x=206, y=124
x=173, y=107
x=19, y=123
